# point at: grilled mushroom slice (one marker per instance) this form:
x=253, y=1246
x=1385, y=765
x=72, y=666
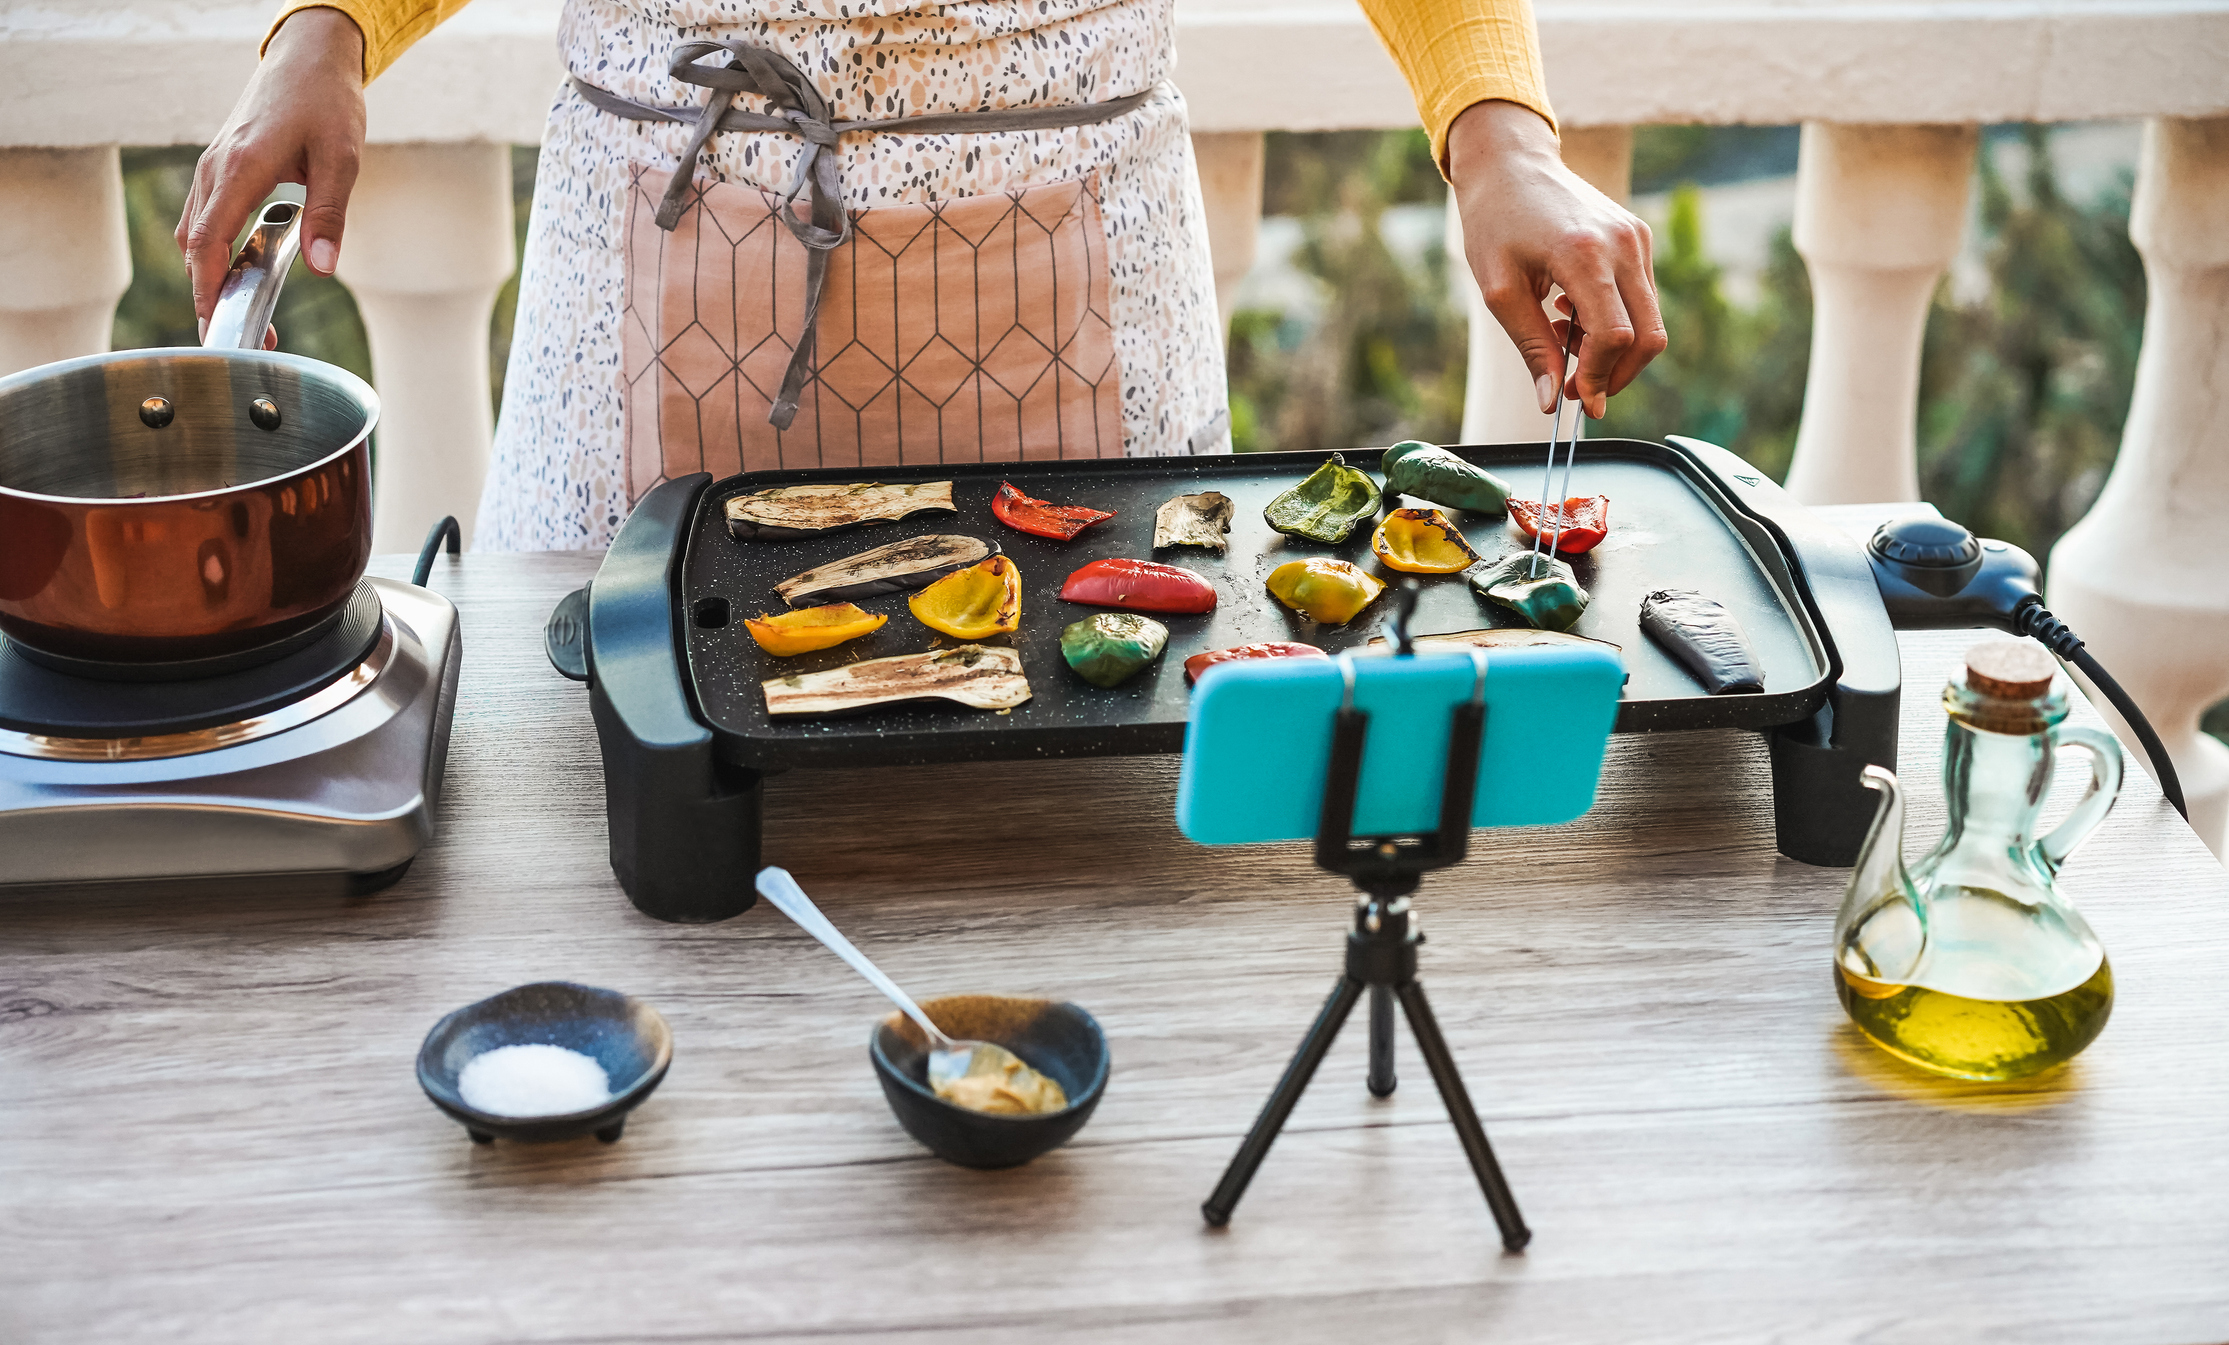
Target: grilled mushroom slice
x=786, y=513
x=1194, y=520
x=981, y=677
x=898, y=567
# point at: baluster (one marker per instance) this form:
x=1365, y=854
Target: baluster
x=1500, y=404
x=2144, y=577
x=65, y=258
x=1879, y=211
x=1230, y=164
x=429, y=243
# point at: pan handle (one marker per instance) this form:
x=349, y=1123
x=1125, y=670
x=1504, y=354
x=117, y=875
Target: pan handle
x=251, y=287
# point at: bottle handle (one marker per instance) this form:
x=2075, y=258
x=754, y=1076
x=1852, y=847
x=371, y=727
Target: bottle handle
x=2105, y=786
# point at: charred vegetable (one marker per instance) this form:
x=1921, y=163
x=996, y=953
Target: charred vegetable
x=1331, y=591
x=1040, y=518
x=1706, y=640
x=1326, y=504
x=813, y=628
x=1542, y=591
x=970, y=604
x=1141, y=586
x=1582, y=524
x=786, y=513
x=1432, y=473
x=896, y=568
x=1200, y=663
x=1194, y=520
x=1106, y=649
x=974, y=675
x=1499, y=637
x=1421, y=541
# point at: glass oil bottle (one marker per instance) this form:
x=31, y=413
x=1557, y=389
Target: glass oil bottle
x=1972, y=962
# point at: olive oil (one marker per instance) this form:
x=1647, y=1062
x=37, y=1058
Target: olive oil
x=1973, y=962
x=1974, y=1038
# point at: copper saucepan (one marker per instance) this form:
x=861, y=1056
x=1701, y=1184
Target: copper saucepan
x=185, y=504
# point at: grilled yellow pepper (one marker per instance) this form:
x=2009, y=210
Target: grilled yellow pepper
x=1422, y=541
x=1331, y=591
x=969, y=604
x=811, y=628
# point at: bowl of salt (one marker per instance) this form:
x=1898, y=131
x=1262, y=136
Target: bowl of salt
x=547, y=1061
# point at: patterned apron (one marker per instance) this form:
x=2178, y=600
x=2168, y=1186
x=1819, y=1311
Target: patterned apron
x=834, y=238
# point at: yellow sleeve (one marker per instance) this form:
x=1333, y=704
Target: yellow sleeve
x=389, y=26
x=1458, y=52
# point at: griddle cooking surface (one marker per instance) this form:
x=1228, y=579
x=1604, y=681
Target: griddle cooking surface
x=1668, y=529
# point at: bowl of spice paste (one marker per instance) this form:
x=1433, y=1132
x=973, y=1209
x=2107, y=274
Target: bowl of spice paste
x=995, y=1122
x=547, y=1061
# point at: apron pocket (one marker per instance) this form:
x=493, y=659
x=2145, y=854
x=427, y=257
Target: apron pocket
x=968, y=330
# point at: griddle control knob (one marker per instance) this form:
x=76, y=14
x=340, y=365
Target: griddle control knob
x=1927, y=543
x=1935, y=574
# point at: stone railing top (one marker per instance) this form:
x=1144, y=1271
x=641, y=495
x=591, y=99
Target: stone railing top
x=1243, y=65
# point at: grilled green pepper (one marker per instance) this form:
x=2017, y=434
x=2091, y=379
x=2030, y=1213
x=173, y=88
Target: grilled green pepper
x=1541, y=591
x=1107, y=649
x=1430, y=472
x=1326, y=504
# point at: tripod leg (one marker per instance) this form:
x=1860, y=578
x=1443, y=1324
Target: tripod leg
x=1514, y=1234
x=1381, y=1041
x=1217, y=1208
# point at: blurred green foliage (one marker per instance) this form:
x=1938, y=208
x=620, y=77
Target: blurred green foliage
x=316, y=316
x=2022, y=393
x=1386, y=361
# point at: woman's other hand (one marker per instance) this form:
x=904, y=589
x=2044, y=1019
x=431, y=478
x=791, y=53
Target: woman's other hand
x=301, y=119
x=1530, y=224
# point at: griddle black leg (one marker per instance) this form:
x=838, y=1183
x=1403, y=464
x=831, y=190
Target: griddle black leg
x=1217, y=1208
x=1514, y=1234
x=1381, y=1041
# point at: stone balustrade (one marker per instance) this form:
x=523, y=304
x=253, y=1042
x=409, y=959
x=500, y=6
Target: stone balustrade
x=1890, y=93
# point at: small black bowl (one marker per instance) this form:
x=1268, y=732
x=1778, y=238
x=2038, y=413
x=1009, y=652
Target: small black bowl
x=1057, y=1040
x=623, y=1034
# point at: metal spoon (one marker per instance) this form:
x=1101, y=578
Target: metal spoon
x=948, y=1059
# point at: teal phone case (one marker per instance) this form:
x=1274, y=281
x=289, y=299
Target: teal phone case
x=1258, y=745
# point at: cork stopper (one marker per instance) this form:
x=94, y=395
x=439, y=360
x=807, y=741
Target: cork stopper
x=2010, y=669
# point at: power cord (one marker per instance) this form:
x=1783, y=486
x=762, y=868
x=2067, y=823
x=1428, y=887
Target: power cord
x=447, y=528
x=2032, y=619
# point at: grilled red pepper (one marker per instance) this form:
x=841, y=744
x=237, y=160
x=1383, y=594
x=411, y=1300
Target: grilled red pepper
x=1039, y=518
x=1200, y=663
x=1585, y=522
x=1141, y=586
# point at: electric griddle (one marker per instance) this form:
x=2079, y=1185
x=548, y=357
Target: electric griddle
x=674, y=676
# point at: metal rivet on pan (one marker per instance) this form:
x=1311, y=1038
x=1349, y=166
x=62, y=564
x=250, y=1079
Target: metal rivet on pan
x=157, y=412
x=264, y=412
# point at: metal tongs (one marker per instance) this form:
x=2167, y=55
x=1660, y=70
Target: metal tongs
x=1555, y=436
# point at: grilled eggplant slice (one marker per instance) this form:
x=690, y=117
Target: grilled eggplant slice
x=1706, y=640
x=786, y=513
x=1194, y=520
x=981, y=677
x=899, y=567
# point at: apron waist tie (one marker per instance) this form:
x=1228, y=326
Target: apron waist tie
x=799, y=110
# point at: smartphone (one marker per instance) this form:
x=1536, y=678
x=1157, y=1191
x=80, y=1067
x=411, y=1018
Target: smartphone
x=1258, y=745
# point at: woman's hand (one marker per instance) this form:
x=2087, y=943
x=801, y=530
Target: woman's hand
x=1530, y=224
x=301, y=119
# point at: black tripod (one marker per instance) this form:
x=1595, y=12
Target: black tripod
x=1381, y=950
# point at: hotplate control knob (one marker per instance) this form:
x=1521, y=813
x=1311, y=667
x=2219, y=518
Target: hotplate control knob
x=1928, y=543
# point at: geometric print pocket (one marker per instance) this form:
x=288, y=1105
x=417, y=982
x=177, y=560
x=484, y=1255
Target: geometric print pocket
x=969, y=330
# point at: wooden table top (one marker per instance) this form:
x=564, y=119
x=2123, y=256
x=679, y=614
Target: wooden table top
x=210, y=1129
